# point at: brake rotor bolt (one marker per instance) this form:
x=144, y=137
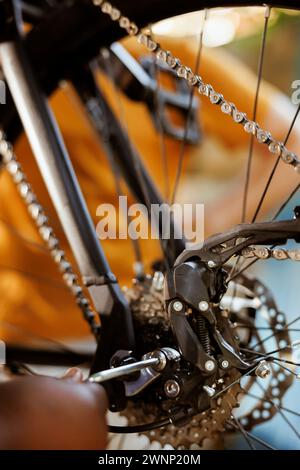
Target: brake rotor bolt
x=224, y=364
x=209, y=366
x=263, y=370
x=203, y=306
x=177, y=306
x=172, y=388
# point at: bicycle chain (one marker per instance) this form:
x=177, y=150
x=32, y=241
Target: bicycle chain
x=251, y=127
x=38, y=215
x=262, y=253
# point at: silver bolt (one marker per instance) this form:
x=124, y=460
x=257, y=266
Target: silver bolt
x=172, y=388
x=263, y=370
x=177, y=306
x=158, y=281
x=224, y=364
x=162, y=360
x=209, y=390
x=211, y=264
x=209, y=365
x=203, y=306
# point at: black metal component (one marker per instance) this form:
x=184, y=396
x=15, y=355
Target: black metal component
x=139, y=81
x=193, y=283
x=163, y=102
x=229, y=351
x=221, y=247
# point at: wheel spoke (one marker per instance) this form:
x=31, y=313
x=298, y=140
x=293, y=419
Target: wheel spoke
x=275, y=167
x=264, y=328
x=285, y=368
x=254, y=115
x=265, y=400
x=292, y=427
x=262, y=341
x=234, y=382
x=270, y=358
x=184, y=141
x=253, y=437
x=280, y=210
x=244, y=433
x=161, y=134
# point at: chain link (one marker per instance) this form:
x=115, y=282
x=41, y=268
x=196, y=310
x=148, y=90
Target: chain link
x=263, y=253
x=144, y=37
x=38, y=215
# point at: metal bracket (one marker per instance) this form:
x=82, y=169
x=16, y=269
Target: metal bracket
x=221, y=247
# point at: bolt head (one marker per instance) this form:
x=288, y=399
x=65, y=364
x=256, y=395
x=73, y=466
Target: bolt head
x=209, y=390
x=224, y=364
x=209, y=365
x=177, y=306
x=211, y=264
x=172, y=388
x=203, y=306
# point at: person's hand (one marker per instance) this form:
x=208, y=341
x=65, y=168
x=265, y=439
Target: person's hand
x=48, y=413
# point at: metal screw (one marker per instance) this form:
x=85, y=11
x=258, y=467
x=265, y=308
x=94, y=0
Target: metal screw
x=158, y=281
x=211, y=264
x=263, y=370
x=177, y=306
x=172, y=388
x=209, y=390
x=203, y=306
x=209, y=365
x=224, y=364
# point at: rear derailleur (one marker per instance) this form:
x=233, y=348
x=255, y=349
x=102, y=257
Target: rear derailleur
x=192, y=370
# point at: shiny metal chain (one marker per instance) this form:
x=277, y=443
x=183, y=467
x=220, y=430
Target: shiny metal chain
x=38, y=215
x=263, y=253
x=275, y=147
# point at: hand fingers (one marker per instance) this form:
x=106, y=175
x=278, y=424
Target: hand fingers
x=73, y=374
